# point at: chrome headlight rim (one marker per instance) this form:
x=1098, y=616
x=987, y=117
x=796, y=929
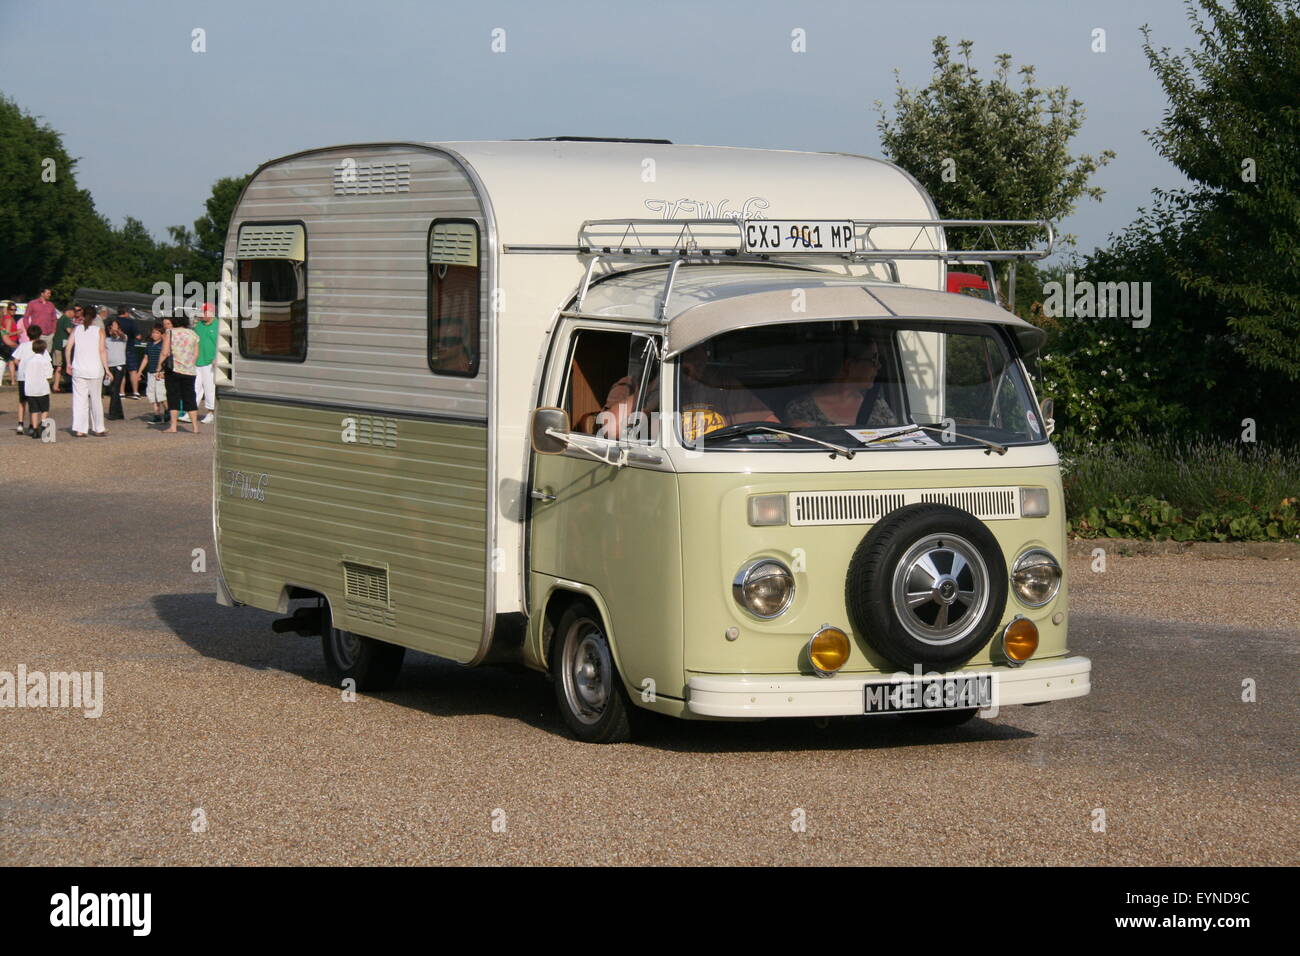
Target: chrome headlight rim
x=1022, y=560
x=743, y=577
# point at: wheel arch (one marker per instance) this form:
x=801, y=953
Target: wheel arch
x=559, y=597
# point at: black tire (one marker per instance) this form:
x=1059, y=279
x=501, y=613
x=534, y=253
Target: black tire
x=894, y=569
x=373, y=664
x=588, y=687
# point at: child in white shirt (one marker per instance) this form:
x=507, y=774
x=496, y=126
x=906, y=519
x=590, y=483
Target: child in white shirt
x=37, y=370
x=21, y=354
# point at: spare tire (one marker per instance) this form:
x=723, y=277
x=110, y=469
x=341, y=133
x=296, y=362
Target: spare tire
x=927, y=586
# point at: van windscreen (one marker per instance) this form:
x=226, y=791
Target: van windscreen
x=853, y=381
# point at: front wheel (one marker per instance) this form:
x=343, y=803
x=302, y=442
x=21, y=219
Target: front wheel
x=588, y=688
x=373, y=664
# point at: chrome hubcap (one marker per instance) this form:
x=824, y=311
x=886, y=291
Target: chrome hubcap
x=587, y=671
x=941, y=589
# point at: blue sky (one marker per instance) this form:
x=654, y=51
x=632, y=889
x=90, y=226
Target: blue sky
x=154, y=123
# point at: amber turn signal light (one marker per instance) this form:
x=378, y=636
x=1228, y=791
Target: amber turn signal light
x=1019, y=640
x=828, y=650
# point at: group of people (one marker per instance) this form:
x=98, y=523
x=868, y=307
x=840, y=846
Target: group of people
x=93, y=355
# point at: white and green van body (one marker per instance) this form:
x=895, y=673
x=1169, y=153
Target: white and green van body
x=394, y=315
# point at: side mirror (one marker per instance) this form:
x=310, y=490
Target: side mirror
x=1046, y=407
x=549, y=419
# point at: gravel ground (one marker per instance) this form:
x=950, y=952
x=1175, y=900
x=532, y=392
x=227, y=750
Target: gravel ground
x=210, y=716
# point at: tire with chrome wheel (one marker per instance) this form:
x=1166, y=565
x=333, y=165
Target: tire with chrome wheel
x=373, y=664
x=927, y=586
x=588, y=688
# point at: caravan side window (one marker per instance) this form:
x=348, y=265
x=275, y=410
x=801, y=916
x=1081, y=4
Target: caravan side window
x=454, y=296
x=611, y=389
x=271, y=265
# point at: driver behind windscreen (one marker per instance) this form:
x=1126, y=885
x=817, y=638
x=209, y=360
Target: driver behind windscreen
x=709, y=400
x=853, y=396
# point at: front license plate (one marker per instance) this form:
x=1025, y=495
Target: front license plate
x=792, y=235
x=952, y=692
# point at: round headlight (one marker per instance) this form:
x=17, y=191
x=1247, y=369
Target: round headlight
x=1035, y=578
x=764, y=587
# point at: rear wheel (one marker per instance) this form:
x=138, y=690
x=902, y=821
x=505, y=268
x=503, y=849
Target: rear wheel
x=373, y=664
x=588, y=688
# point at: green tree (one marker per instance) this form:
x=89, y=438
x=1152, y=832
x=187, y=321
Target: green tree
x=43, y=215
x=990, y=150
x=1233, y=128
x=209, y=242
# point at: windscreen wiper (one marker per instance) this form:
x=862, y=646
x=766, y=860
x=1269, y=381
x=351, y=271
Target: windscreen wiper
x=989, y=445
x=746, y=428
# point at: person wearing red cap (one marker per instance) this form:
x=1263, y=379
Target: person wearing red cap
x=204, y=385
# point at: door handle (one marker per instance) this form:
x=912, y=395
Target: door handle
x=542, y=495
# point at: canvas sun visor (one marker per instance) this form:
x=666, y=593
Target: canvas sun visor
x=282, y=241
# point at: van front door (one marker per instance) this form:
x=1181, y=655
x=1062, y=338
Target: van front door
x=611, y=527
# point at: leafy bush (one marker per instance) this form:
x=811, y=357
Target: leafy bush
x=1199, y=490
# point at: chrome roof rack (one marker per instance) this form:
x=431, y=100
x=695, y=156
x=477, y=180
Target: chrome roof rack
x=711, y=240
x=724, y=238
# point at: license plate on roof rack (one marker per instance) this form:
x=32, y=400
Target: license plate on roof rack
x=799, y=235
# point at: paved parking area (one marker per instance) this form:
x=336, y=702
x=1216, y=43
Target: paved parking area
x=211, y=723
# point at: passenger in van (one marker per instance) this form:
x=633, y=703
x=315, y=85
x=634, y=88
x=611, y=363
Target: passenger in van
x=712, y=401
x=852, y=397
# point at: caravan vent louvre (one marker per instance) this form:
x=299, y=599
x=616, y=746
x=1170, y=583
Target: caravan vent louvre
x=375, y=615
x=366, y=583
x=377, y=431
x=868, y=507
x=272, y=242
x=361, y=179
x=454, y=244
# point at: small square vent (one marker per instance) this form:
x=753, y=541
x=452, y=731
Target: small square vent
x=366, y=584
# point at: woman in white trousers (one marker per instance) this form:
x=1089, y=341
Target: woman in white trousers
x=88, y=358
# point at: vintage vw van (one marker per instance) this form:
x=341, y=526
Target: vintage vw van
x=736, y=455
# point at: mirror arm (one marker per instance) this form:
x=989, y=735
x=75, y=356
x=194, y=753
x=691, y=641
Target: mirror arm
x=619, y=462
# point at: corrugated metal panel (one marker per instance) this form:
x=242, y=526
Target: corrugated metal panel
x=367, y=282
x=394, y=535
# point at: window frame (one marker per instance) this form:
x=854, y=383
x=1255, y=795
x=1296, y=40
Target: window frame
x=571, y=348
x=430, y=331
x=238, y=319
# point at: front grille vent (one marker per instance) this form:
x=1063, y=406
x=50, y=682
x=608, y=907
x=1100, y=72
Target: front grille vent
x=868, y=507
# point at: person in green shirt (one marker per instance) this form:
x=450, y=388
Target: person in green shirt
x=62, y=329
x=204, y=385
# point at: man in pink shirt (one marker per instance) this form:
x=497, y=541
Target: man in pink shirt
x=42, y=312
